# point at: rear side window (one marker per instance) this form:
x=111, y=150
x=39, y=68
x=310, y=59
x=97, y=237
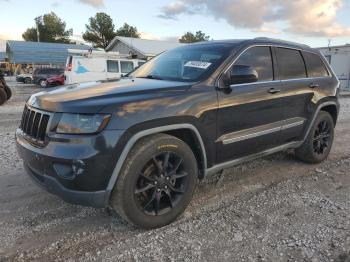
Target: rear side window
x=290, y=64
x=314, y=65
x=112, y=66
x=126, y=66
x=258, y=58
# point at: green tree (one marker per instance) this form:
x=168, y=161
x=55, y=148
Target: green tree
x=100, y=30
x=128, y=31
x=51, y=29
x=189, y=37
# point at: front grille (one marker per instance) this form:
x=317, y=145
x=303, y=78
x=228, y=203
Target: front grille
x=34, y=124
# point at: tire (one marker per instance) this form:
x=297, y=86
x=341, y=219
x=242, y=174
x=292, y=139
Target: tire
x=318, y=143
x=172, y=192
x=3, y=96
x=43, y=83
x=27, y=81
x=8, y=92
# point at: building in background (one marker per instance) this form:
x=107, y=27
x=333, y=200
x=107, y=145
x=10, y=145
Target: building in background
x=140, y=48
x=39, y=54
x=339, y=59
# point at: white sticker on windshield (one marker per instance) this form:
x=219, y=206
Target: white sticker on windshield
x=198, y=64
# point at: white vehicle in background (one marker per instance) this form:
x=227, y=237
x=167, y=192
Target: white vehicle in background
x=86, y=66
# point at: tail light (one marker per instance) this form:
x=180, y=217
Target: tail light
x=69, y=67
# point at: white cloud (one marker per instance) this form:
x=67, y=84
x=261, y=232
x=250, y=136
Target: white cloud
x=149, y=36
x=302, y=17
x=94, y=3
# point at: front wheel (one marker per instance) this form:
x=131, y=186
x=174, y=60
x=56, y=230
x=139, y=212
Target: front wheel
x=319, y=141
x=156, y=182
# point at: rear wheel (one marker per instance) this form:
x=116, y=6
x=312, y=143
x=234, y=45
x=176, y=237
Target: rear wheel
x=27, y=80
x=156, y=182
x=3, y=96
x=319, y=141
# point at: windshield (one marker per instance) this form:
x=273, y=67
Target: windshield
x=189, y=63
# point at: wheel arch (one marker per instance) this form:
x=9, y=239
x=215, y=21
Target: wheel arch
x=185, y=132
x=324, y=106
x=332, y=110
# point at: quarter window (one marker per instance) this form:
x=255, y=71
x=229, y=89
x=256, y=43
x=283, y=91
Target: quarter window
x=112, y=66
x=314, y=65
x=290, y=64
x=126, y=66
x=259, y=59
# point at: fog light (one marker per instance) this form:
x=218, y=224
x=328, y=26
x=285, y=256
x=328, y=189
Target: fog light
x=64, y=171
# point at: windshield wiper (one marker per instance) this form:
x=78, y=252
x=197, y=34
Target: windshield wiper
x=152, y=77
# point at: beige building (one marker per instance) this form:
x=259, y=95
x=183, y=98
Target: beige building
x=339, y=59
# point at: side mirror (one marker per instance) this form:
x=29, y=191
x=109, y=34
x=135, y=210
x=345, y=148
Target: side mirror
x=241, y=74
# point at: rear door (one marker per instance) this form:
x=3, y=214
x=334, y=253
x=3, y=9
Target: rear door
x=249, y=115
x=297, y=89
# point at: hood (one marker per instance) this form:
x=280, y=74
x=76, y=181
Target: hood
x=92, y=97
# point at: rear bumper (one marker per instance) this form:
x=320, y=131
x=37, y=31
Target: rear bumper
x=94, y=199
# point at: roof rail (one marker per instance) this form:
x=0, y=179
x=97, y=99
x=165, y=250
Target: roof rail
x=280, y=40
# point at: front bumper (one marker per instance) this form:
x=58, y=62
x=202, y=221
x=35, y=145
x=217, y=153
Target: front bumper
x=97, y=199
x=75, y=168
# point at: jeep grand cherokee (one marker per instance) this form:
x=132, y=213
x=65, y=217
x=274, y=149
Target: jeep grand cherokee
x=140, y=144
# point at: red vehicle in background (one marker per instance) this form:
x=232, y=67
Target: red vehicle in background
x=57, y=80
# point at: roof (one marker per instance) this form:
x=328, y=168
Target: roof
x=255, y=41
x=144, y=46
x=39, y=53
x=2, y=56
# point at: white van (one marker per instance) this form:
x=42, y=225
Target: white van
x=85, y=66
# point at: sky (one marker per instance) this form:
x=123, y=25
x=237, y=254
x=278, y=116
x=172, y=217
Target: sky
x=311, y=22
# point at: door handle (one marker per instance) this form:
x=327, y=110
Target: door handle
x=312, y=85
x=274, y=90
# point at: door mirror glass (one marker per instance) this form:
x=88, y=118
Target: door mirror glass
x=241, y=74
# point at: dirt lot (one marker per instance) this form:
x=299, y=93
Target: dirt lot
x=271, y=209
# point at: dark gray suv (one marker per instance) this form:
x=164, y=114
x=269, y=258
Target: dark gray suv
x=140, y=144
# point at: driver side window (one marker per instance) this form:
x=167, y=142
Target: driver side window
x=258, y=59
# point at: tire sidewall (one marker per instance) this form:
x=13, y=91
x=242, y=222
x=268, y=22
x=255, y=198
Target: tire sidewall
x=321, y=117
x=131, y=209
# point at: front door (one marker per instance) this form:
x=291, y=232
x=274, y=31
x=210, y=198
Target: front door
x=249, y=115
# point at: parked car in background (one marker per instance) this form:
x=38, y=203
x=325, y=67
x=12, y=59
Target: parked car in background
x=41, y=74
x=24, y=78
x=55, y=81
x=140, y=144
x=84, y=66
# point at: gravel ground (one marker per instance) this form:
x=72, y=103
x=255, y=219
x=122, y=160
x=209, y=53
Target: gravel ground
x=272, y=209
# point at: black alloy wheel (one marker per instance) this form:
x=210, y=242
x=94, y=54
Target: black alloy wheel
x=156, y=183
x=318, y=142
x=321, y=137
x=161, y=184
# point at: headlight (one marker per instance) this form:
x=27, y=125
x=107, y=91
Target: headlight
x=82, y=123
